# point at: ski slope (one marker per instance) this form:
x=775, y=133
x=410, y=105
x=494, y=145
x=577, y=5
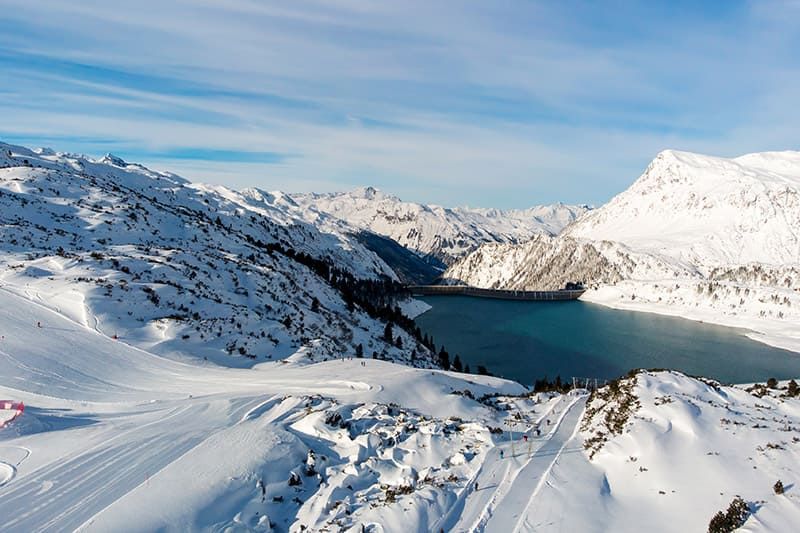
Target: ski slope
x=111, y=431
x=507, y=487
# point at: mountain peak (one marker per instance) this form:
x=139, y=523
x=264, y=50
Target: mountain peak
x=368, y=193
x=111, y=159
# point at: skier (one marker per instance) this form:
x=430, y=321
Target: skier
x=502, y=454
x=476, y=486
x=38, y=324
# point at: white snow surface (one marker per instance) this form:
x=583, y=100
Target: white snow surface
x=706, y=238
x=443, y=233
x=118, y=439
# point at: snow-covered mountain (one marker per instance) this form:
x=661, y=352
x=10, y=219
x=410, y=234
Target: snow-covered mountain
x=705, y=237
x=185, y=269
x=706, y=212
x=440, y=234
x=113, y=277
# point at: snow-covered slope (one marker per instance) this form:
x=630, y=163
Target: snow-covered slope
x=703, y=237
x=181, y=268
x=668, y=452
x=114, y=438
x=439, y=233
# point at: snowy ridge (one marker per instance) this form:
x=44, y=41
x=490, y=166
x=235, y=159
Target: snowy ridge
x=703, y=237
x=439, y=233
x=178, y=268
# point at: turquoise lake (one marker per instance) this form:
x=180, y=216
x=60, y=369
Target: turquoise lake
x=525, y=341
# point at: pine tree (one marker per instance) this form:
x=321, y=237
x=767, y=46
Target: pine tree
x=444, y=359
x=360, y=350
x=457, y=364
x=388, y=334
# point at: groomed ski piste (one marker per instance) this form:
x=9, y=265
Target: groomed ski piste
x=117, y=439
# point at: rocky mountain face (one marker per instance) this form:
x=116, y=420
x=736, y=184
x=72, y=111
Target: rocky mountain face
x=188, y=269
x=440, y=235
x=700, y=236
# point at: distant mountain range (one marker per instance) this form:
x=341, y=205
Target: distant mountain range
x=440, y=235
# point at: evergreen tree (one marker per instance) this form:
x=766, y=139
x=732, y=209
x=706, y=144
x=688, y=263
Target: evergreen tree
x=360, y=350
x=388, y=334
x=444, y=359
x=732, y=519
x=399, y=342
x=457, y=364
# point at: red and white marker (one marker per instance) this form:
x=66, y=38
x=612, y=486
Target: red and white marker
x=10, y=410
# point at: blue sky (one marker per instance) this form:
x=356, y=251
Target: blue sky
x=495, y=104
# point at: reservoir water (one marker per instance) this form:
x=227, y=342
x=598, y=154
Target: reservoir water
x=525, y=341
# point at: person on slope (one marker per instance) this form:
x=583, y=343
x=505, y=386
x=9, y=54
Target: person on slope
x=260, y=485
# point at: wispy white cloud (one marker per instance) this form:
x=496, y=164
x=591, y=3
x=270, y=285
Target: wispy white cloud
x=508, y=103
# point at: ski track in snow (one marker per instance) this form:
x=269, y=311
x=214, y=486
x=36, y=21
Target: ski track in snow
x=519, y=482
